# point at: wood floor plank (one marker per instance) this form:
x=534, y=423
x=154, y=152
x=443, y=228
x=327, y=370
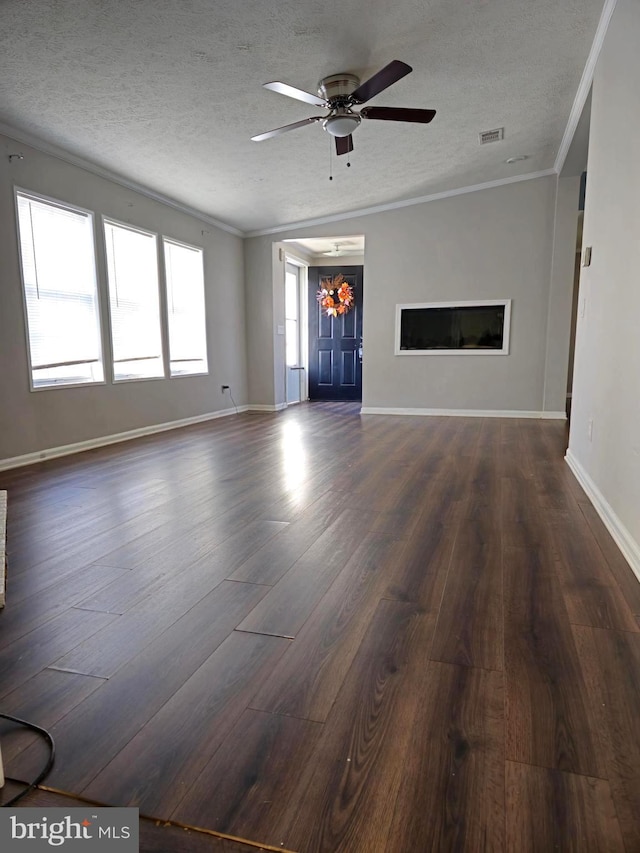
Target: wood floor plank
x=42, y=533
x=549, y=720
x=25, y=657
x=96, y=730
x=345, y=798
x=470, y=623
x=18, y=618
x=275, y=558
x=285, y=609
x=484, y=481
x=43, y=700
x=619, y=567
x=552, y=810
x=152, y=576
x=521, y=522
x=70, y=553
x=611, y=663
x=306, y=680
x=590, y=591
x=160, y=764
x=189, y=536
x=239, y=792
x=420, y=572
x=106, y=651
x=511, y=460
x=452, y=792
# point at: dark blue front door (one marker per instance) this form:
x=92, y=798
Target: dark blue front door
x=335, y=366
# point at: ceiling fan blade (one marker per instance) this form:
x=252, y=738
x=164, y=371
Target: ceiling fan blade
x=278, y=130
x=388, y=75
x=344, y=144
x=398, y=114
x=298, y=94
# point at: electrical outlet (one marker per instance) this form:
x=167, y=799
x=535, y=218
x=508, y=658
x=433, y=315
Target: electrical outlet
x=590, y=429
x=224, y=388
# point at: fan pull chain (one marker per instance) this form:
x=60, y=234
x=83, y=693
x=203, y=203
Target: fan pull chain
x=330, y=157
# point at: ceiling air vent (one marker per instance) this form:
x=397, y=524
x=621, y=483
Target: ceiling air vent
x=491, y=135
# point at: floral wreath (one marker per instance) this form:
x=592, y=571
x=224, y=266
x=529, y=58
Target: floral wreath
x=335, y=296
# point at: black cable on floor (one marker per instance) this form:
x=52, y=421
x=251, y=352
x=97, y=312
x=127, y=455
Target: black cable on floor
x=44, y=773
x=233, y=401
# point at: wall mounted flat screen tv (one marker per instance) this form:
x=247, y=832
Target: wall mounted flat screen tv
x=463, y=328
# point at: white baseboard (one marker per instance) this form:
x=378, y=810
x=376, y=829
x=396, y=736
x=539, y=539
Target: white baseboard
x=263, y=407
x=104, y=440
x=464, y=413
x=626, y=543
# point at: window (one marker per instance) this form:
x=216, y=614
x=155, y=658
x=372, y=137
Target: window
x=459, y=328
x=60, y=292
x=185, y=308
x=291, y=314
x=134, y=302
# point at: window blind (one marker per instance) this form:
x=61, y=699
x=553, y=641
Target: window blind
x=61, y=299
x=134, y=303
x=185, y=309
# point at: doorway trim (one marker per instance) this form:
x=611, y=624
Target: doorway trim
x=303, y=326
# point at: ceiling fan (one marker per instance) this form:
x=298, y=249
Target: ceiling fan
x=338, y=249
x=339, y=93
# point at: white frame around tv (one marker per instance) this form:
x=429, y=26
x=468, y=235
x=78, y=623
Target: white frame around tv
x=477, y=303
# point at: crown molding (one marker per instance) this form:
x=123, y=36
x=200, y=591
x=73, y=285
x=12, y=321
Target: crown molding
x=396, y=205
x=61, y=154
x=585, y=83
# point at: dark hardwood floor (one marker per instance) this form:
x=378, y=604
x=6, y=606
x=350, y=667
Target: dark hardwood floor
x=316, y=631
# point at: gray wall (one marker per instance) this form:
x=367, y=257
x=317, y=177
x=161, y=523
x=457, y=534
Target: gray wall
x=34, y=421
x=606, y=386
x=491, y=244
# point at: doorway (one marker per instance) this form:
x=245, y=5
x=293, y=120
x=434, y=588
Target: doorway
x=335, y=343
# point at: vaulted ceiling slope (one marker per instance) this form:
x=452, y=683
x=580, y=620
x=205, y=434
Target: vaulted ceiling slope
x=167, y=93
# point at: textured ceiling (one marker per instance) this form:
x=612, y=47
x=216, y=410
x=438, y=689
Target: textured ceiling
x=167, y=93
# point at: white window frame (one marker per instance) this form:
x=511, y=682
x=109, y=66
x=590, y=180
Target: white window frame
x=474, y=303
x=295, y=319
x=165, y=284
x=110, y=220
x=73, y=208
x=303, y=317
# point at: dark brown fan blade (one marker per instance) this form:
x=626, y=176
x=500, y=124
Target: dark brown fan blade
x=261, y=136
x=398, y=114
x=298, y=94
x=344, y=144
x=388, y=75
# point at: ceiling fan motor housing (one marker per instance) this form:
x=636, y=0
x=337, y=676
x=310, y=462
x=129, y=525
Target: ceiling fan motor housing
x=338, y=86
x=337, y=90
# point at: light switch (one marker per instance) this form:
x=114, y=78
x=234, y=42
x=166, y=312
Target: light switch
x=586, y=258
x=281, y=330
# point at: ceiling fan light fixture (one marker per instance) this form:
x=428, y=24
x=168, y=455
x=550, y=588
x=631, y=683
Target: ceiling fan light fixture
x=342, y=123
